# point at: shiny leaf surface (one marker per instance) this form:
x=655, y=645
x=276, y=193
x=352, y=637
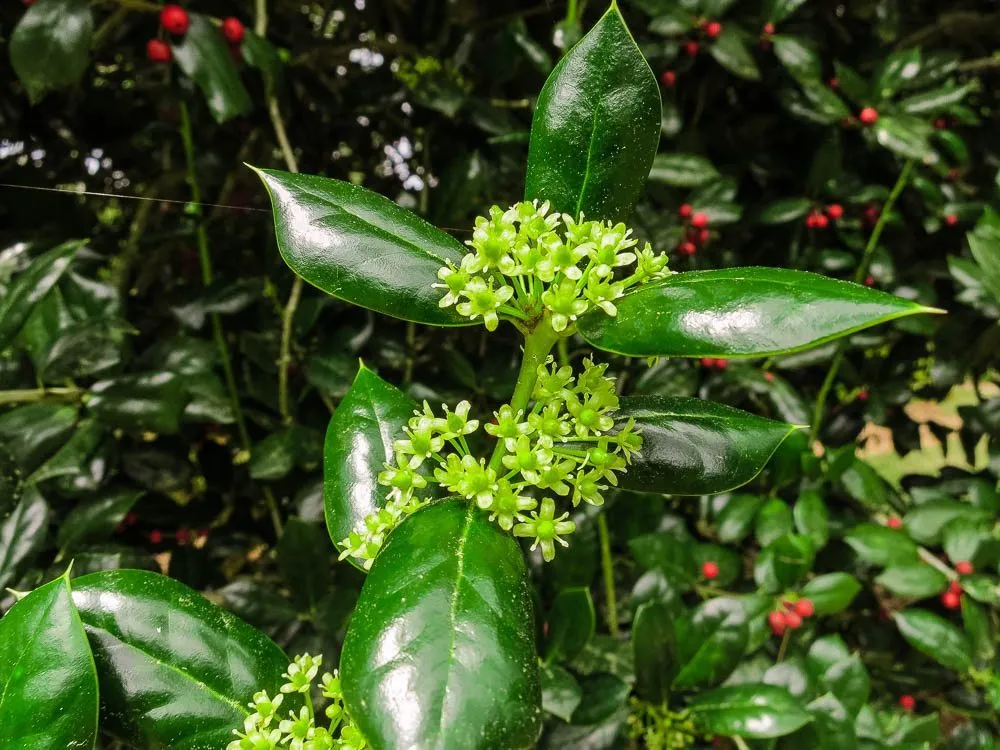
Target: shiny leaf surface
x=695, y=447
x=756, y=711
x=936, y=637
x=204, y=56
x=363, y=248
x=30, y=287
x=49, y=694
x=50, y=47
x=654, y=646
x=710, y=642
x=596, y=126
x=440, y=650
x=174, y=669
x=739, y=312
x=22, y=533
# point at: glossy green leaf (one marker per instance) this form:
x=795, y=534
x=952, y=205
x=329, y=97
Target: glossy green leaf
x=668, y=554
x=150, y=402
x=304, y=559
x=979, y=627
x=710, y=643
x=779, y=10
x=913, y=581
x=49, y=695
x=358, y=443
x=935, y=100
x=906, y=136
x=849, y=681
x=783, y=563
x=22, y=534
x=739, y=312
x=825, y=652
x=814, y=102
x=832, y=592
x=561, y=693
x=898, y=69
x=603, y=696
x=936, y=637
x=881, y=546
x=571, y=624
x=259, y=53
x=596, y=126
x=174, y=669
x=363, y=248
x=812, y=517
x=784, y=211
x=654, y=646
x=682, y=170
x=30, y=287
x=774, y=520
x=736, y=518
x=985, y=248
x=732, y=52
x=95, y=520
x=445, y=611
x=791, y=675
x=204, y=57
x=755, y=711
x=831, y=728
x=865, y=485
x=926, y=522
x=797, y=57
x=34, y=431
x=695, y=447
x=50, y=46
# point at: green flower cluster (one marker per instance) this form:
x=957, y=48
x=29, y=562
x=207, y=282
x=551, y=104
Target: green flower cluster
x=528, y=261
x=562, y=446
x=263, y=729
x=659, y=728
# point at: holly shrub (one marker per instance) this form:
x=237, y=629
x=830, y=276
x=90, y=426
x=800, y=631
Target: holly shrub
x=635, y=384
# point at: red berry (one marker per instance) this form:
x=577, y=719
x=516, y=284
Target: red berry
x=940, y=123
x=685, y=211
x=821, y=221
x=768, y=28
x=704, y=235
x=707, y=362
x=155, y=536
x=863, y=394
x=810, y=221
x=894, y=522
x=964, y=568
x=835, y=211
x=721, y=364
x=710, y=570
x=232, y=30
x=699, y=221
x=869, y=280
x=769, y=377
x=158, y=51
x=713, y=29
x=951, y=600
x=686, y=248
x=955, y=587
x=951, y=220
x=691, y=49
x=174, y=19
x=907, y=702
x=834, y=83
x=777, y=622
x=183, y=536
x=869, y=115
x=793, y=620
x=805, y=608
x=668, y=79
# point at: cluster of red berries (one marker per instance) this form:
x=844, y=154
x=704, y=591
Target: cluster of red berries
x=952, y=598
x=817, y=219
x=183, y=536
x=711, y=29
x=791, y=617
x=714, y=364
x=697, y=233
x=175, y=21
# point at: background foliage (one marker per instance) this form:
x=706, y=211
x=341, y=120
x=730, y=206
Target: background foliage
x=126, y=326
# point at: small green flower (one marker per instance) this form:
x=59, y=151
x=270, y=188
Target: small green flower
x=605, y=462
x=552, y=383
x=508, y=506
x=651, y=265
x=255, y=739
x=457, y=422
x=484, y=301
x=420, y=443
x=527, y=458
x=320, y=740
x=331, y=686
x=451, y=473
x=550, y=425
x=553, y=477
x=265, y=706
x=546, y=529
x=564, y=304
x=508, y=426
x=534, y=220
x=401, y=478
x=629, y=440
x=479, y=482
x=492, y=240
x=603, y=294
x=301, y=673
x=352, y=739
x=455, y=280
x=297, y=729
x=586, y=488
x=589, y=417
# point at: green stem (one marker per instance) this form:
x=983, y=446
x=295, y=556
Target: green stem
x=859, y=274
x=33, y=395
x=608, y=573
x=537, y=346
x=217, y=332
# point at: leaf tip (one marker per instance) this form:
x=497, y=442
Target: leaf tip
x=932, y=310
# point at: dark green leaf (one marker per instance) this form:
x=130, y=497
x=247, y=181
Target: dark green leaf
x=682, y=170
x=363, y=248
x=812, y=517
x=926, y=522
x=274, y=456
x=49, y=696
x=261, y=54
x=571, y=625
x=596, y=126
x=898, y=69
x=881, y=546
x=33, y=431
x=95, y=520
x=710, y=643
x=832, y=592
x=174, y=669
x=695, y=447
x=667, y=553
x=603, y=696
x=907, y=136
x=791, y=675
x=30, y=287
x=985, y=248
x=783, y=563
x=204, y=56
x=848, y=680
x=732, y=52
x=152, y=402
x=979, y=628
x=450, y=588
x=913, y=581
x=561, y=693
x=672, y=21
x=774, y=520
x=358, y=443
x=737, y=518
x=782, y=9
x=756, y=711
x=50, y=47
x=832, y=727
x=740, y=312
x=935, y=100
x=797, y=57
x=936, y=637
x=22, y=534
x=655, y=648
x=304, y=559
x=784, y=211
x=814, y=102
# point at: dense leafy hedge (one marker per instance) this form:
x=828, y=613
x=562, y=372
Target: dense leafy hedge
x=166, y=382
